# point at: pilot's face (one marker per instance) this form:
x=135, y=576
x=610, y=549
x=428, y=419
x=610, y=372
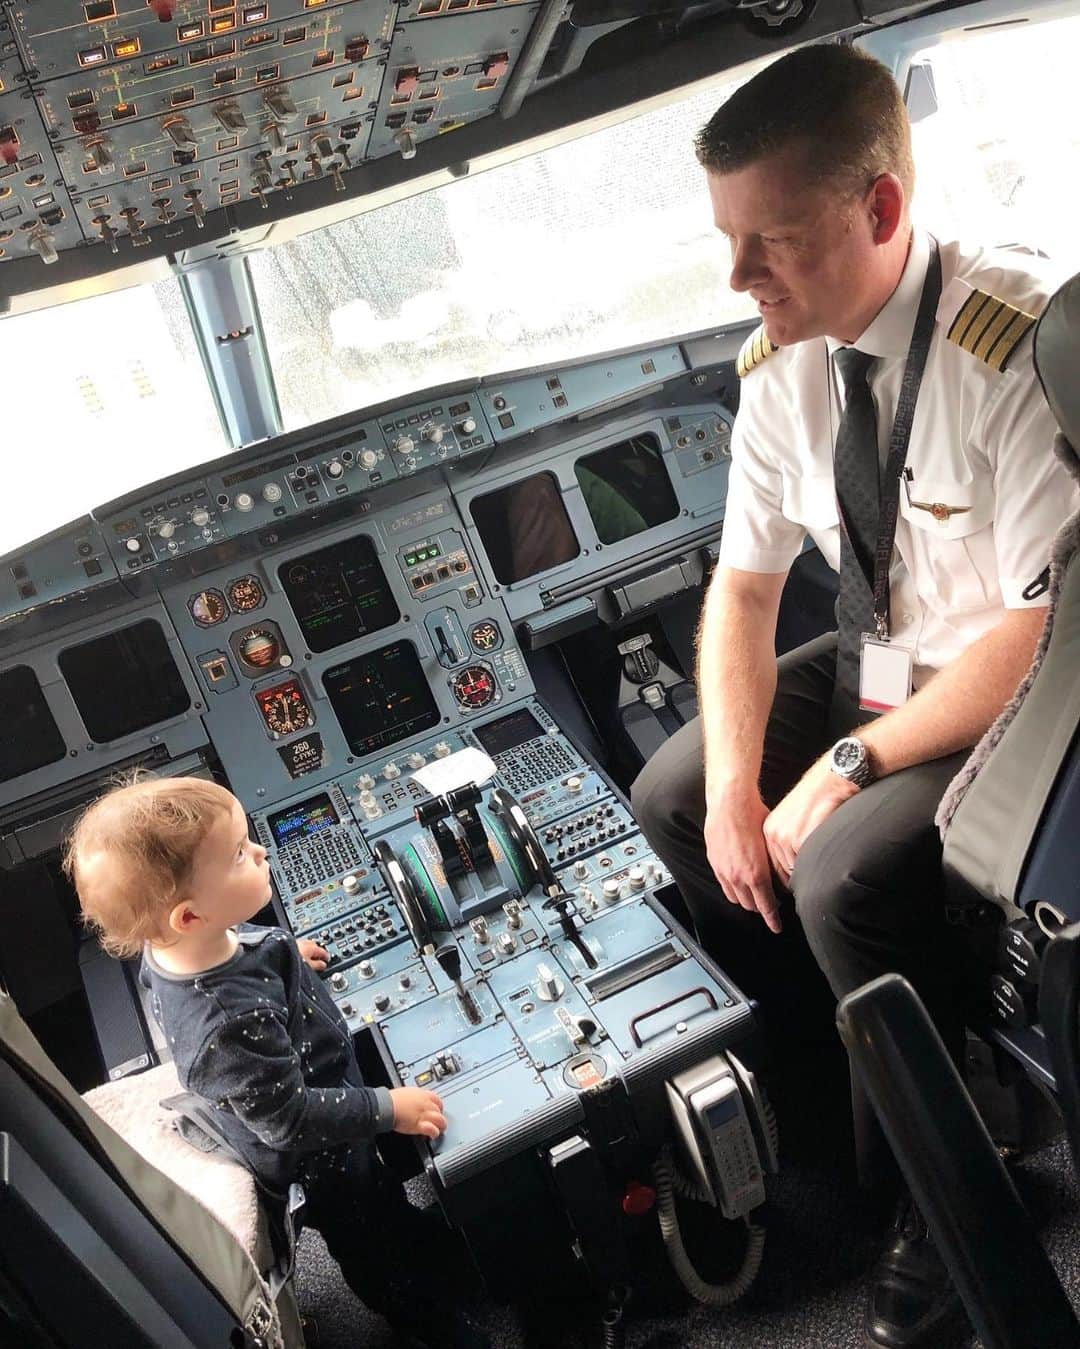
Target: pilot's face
x=804, y=251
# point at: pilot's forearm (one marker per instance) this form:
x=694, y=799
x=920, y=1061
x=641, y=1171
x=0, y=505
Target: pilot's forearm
x=736, y=680
x=954, y=708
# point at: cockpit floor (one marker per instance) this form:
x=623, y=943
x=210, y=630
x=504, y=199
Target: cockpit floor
x=820, y=1250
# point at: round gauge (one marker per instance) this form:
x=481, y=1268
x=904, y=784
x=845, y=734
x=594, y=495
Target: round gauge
x=208, y=607
x=246, y=594
x=284, y=708
x=474, y=686
x=260, y=648
x=485, y=636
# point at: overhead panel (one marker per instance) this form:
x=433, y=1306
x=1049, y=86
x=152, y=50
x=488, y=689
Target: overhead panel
x=131, y=125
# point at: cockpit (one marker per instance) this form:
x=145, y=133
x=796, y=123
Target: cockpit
x=372, y=392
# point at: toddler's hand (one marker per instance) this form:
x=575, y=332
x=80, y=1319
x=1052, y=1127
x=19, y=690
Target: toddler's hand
x=417, y=1111
x=315, y=955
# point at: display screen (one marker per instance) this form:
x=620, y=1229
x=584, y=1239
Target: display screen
x=381, y=698
x=125, y=681
x=626, y=488
x=508, y=732
x=339, y=593
x=29, y=737
x=302, y=821
x=525, y=528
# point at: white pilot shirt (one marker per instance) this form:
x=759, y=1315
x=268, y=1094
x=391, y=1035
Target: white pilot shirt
x=980, y=441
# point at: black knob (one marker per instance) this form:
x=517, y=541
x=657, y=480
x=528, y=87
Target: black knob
x=449, y=958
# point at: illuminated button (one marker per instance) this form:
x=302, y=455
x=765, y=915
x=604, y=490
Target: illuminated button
x=506, y=943
x=391, y=771
x=244, y=501
x=271, y=492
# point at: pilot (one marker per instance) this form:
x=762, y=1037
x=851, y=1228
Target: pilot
x=890, y=411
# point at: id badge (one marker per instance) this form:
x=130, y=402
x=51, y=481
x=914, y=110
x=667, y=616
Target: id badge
x=884, y=674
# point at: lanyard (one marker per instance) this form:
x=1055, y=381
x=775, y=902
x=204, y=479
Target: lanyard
x=901, y=435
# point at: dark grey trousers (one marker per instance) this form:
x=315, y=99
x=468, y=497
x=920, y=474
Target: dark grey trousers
x=865, y=895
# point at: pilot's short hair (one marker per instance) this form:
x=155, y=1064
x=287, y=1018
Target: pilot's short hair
x=840, y=108
x=130, y=855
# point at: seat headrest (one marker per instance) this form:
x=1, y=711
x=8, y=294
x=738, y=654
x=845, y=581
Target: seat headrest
x=1057, y=356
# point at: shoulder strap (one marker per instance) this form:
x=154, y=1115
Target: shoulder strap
x=989, y=329
x=756, y=349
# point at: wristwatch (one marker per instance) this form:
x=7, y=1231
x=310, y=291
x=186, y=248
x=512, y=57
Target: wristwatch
x=849, y=759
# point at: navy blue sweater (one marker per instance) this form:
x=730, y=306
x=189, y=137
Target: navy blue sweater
x=261, y=1041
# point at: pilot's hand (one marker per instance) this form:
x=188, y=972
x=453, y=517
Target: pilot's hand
x=417, y=1111
x=315, y=955
x=813, y=799
x=737, y=854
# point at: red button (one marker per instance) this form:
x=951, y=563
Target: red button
x=638, y=1199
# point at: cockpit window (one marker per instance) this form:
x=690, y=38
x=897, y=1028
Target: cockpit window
x=101, y=396
x=600, y=243
x=997, y=168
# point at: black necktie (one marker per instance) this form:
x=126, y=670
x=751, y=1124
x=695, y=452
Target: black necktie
x=855, y=468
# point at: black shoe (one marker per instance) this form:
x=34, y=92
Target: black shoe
x=913, y=1301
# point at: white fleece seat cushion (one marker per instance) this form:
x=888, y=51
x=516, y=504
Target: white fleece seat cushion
x=132, y=1106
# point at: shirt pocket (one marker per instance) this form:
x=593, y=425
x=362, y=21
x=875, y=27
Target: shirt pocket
x=951, y=541
x=810, y=500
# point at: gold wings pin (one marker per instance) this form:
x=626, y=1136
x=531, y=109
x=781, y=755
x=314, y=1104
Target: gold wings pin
x=938, y=509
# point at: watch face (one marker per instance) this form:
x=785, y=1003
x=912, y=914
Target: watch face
x=848, y=755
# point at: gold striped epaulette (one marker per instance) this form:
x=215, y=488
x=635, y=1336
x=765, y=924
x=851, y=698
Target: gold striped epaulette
x=755, y=349
x=989, y=328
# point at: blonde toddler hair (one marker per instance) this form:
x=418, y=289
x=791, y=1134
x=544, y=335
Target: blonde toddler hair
x=130, y=855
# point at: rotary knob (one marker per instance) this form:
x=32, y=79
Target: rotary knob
x=468, y=426
x=271, y=493
x=366, y=969
x=405, y=981
x=200, y=517
x=381, y=1001
x=338, y=982
x=415, y=760
x=391, y=771
x=574, y=785
x=244, y=501
x=433, y=433
x=351, y=884
x=611, y=890
x=166, y=530
x=334, y=469
x=404, y=445
x=372, y=810
x=368, y=459
x=365, y=782
x=133, y=545
x=442, y=749
x=581, y=871
x=636, y=876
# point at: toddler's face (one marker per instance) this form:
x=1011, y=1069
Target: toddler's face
x=230, y=876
